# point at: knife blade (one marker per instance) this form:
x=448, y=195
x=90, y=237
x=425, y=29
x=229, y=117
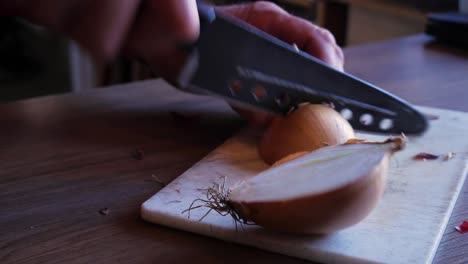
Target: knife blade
x=247, y=66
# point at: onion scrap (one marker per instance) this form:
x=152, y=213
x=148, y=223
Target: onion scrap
x=463, y=227
x=425, y=156
x=428, y=156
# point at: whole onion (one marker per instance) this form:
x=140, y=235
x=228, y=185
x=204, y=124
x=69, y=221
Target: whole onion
x=310, y=127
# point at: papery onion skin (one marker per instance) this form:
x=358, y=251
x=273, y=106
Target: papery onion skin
x=319, y=214
x=325, y=212
x=310, y=127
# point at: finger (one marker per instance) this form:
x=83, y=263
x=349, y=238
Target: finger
x=98, y=26
x=310, y=38
x=104, y=25
x=294, y=30
x=182, y=19
x=158, y=29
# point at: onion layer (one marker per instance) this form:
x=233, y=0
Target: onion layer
x=289, y=157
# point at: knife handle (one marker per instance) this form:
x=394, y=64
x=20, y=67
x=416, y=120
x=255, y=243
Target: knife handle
x=206, y=13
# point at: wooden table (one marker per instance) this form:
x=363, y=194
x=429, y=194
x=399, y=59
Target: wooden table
x=335, y=14
x=64, y=159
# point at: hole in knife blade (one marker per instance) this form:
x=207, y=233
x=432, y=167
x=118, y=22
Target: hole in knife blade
x=366, y=119
x=346, y=113
x=386, y=124
x=235, y=86
x=259, y=92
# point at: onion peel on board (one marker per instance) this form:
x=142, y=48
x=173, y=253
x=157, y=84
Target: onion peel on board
x=425, y=156
x=319, y=192
x=463, y=227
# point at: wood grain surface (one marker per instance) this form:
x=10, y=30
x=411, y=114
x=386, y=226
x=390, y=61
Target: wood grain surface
x=65, y=158
x=425, y=73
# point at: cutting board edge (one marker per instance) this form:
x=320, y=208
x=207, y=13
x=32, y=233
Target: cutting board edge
x=450, y=209
x=199, y=229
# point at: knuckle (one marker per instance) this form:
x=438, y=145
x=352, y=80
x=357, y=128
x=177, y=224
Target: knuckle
x=340, y=56
x=327, y=35
x=339, y=53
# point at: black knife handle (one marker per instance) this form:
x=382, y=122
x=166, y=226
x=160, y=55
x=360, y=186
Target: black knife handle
x=206, y=13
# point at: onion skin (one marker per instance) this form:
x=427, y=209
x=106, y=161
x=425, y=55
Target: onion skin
x=310, y=127
x=325, y=210
x=320, y=214
x=289, y=158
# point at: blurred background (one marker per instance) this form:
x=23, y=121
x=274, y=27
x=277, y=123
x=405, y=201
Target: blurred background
x=35, y=62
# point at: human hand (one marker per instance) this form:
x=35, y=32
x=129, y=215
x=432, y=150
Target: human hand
x=152, y=29
x=291, y=29
x=149, y=29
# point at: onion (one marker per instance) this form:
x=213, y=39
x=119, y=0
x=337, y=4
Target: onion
x=289, y=158
x=308, y=128
x=326, y=190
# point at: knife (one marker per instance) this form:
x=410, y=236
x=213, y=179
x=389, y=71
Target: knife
x=249, y=67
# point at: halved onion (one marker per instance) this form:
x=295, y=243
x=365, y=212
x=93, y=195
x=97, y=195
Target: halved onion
x=320, y=192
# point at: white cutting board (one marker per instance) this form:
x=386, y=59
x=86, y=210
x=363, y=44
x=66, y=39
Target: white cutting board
x=406, y=226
